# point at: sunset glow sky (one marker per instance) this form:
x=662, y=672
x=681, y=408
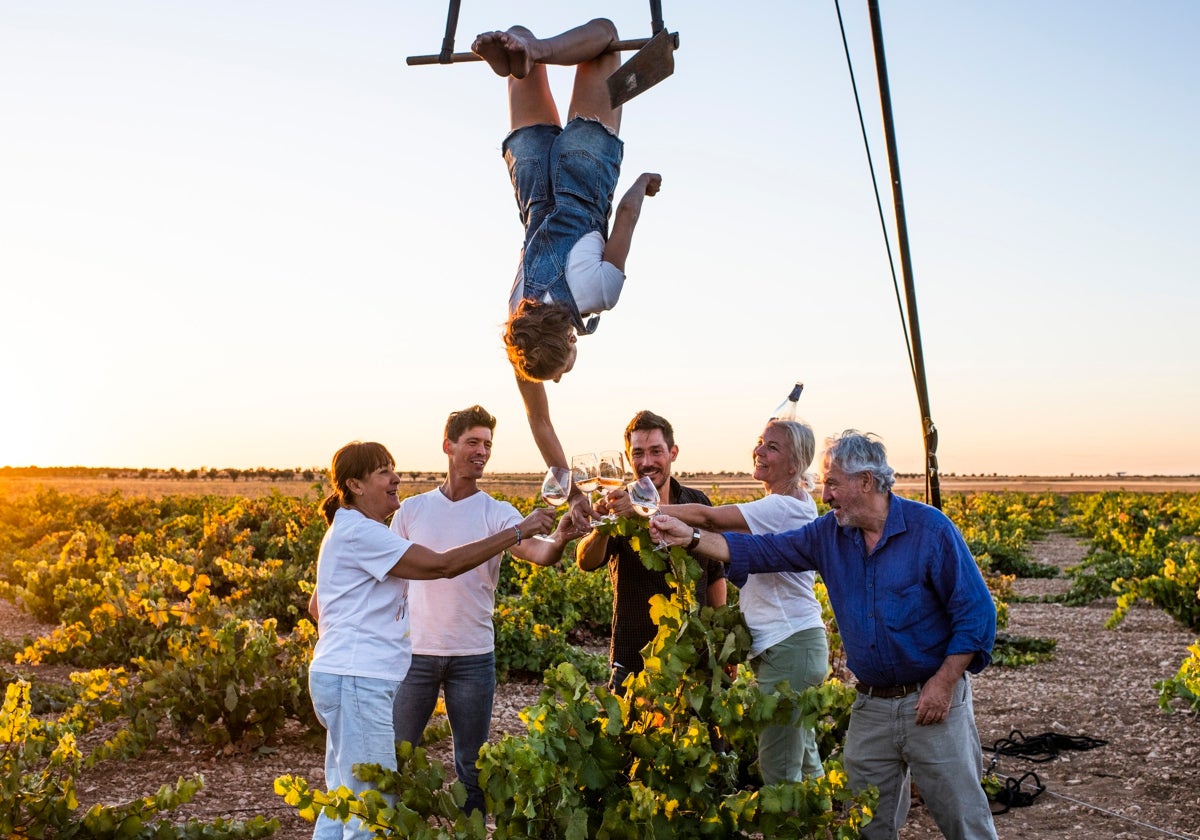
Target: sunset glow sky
x=244, y=233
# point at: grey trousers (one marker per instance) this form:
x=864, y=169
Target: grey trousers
x=884, y=746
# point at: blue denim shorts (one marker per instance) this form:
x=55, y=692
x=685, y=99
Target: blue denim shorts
x=573, y=170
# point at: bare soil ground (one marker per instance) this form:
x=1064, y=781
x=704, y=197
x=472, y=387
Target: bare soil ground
x=1145, y=783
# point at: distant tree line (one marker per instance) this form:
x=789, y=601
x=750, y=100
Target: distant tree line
x=174, y=473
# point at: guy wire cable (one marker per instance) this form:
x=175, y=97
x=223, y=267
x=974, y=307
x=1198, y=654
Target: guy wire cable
x=912, y=332
x=1168, y=832
x=887, y=244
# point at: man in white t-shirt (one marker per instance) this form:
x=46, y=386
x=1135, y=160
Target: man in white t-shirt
x=564, y=177
x=453, y=641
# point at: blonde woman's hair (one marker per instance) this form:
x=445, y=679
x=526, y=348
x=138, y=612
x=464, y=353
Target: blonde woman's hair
x=802, y=447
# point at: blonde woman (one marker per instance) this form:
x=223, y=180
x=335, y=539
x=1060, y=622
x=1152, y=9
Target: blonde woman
x=787, y=633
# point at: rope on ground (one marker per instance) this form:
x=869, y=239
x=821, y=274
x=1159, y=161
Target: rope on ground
x=1042, y=748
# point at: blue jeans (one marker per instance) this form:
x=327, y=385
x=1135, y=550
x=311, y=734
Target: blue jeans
x=789, y=753
x=884, y=744
x=357, y=715
x=571, y=170
x=469, y=683
x=564, y=181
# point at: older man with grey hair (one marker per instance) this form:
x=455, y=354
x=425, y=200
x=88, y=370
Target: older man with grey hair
x=916, y=619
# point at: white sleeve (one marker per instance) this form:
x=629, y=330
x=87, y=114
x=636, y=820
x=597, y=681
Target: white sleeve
x=774, y=514
x=399, y=524
x=518, y=289
x=595, y=284
x=380, y=549
x=503, y=515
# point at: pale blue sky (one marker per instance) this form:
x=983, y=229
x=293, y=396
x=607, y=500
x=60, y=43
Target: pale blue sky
x=244, y=233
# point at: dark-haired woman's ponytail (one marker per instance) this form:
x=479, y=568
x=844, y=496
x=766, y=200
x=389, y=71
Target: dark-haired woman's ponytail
x=330, y=506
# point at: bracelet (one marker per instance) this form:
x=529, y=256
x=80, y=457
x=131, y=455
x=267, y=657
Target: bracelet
x=517, y=528
x=695, y=540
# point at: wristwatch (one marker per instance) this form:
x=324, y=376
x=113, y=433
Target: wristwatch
x=695, y=540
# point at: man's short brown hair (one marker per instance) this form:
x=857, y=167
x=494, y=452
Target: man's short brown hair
x=645, y=421
x=538, y=339
x=469, y=418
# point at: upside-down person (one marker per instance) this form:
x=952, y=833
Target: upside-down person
x=572, y=267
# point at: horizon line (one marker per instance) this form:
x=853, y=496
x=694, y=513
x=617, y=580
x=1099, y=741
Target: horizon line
x=275, y=473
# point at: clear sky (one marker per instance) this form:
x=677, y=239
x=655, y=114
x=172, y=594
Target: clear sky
x=244, y=233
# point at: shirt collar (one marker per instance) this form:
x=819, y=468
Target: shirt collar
x=895, y=520
x=673, y=490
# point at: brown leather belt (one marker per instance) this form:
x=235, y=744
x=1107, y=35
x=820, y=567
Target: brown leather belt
x=887, y=692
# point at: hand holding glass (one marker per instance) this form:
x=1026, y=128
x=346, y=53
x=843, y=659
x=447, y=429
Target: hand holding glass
x=644, y=496
x=612, y=475
x=556, y=487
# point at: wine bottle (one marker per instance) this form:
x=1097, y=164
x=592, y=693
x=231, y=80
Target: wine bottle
x=786, y=410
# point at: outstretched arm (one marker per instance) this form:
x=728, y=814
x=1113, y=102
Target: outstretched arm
x=537, y=410
x=421, y=563
x=720, y=518
x=626, y=218
x=549, y=552
x=674, y=531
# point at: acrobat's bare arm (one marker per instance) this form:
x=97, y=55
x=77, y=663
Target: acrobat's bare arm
x=629, y=210
x=537, y=410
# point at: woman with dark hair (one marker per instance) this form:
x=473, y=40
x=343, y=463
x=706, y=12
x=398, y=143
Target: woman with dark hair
x=787, y=632
x=360, y=602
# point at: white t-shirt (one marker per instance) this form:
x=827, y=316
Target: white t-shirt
x=595, y=284
x=363, y=613
x=778, y=604
x=453, y=617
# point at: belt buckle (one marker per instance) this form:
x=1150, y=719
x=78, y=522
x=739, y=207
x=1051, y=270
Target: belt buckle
x=891, y=692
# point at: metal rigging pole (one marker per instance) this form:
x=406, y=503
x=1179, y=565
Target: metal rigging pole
x=933, y=493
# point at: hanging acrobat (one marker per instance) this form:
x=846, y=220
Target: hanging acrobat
x=572, y=266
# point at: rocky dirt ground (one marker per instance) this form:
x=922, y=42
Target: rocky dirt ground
x=1145, y=783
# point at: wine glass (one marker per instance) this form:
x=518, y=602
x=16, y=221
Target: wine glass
x=585, y=471
x=644, y=496
x=556, y=487
x=612, y=475
x=645, y=499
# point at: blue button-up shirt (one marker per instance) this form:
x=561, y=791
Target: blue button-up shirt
x=901, y=610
